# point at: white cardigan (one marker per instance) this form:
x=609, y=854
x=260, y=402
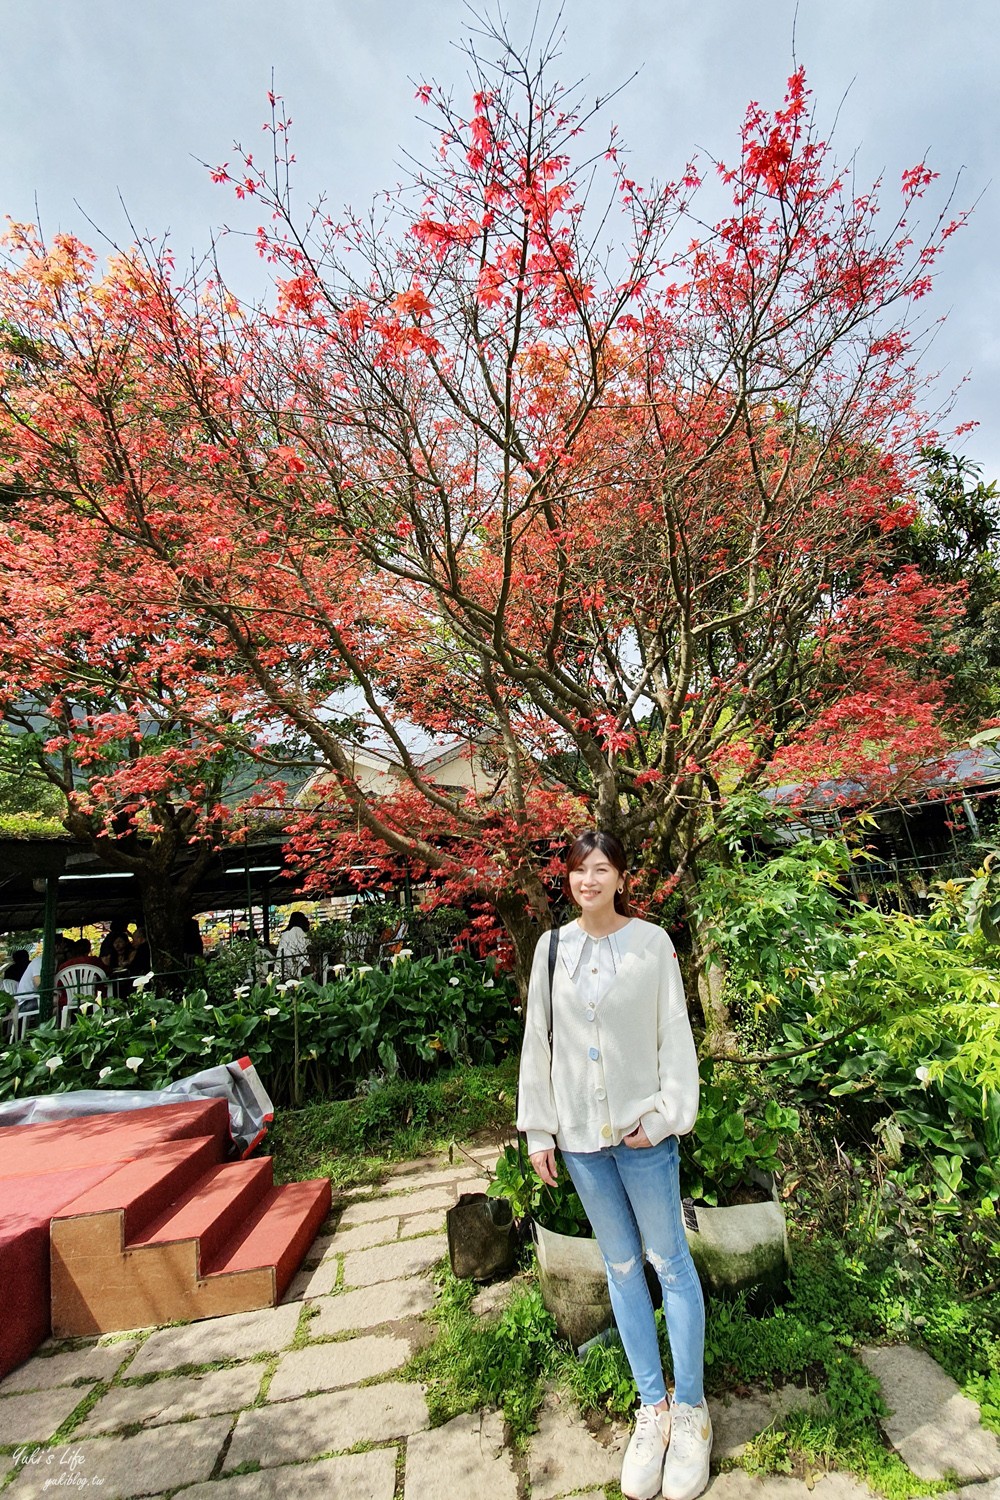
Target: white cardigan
x=645, y=1071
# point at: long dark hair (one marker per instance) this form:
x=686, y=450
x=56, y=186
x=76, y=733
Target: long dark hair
x=613, y=851
x=19, y=961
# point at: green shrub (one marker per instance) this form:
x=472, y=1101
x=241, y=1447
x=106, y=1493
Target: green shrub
x=888, y=1023
x=351, y=1141
x=557, y=1208
x=427, y=931
x=738, y=1132
x=307, y=1041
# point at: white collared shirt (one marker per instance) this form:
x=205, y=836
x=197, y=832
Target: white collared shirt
x=593, y=964
x=622, y=1052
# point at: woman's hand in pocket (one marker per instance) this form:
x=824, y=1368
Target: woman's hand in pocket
x=637, y=1139
x=544, y=1163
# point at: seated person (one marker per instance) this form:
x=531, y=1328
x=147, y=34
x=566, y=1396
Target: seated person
x=29, y=985
x=19, y=960
x=110, y=955
x=141, y=959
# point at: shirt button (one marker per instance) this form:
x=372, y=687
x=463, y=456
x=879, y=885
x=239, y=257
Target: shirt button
x=593, y=1054
x=605, y=1132
x=593, y=971
x=591, y=1015
x=601, y=1094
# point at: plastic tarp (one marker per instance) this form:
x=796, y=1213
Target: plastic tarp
x=250, y=1109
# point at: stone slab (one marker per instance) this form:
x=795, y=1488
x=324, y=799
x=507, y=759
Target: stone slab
x=737, y=1419
x=36, y=1417
x=95, y=1362
x=464, y=1457
x=388, y=1205
x=461, y=1179
x=325, y=1367
x=319, y=1282
x=333, y=1422
x=355, y=1476
x=370, y=1306
x=425, y=1199
x=493, y=1300
x=739, y=1486
x=376, y=1232
x=565, y=1456
x=390, y=1262
x=395, y=1203
x=175, y=1398
x=238, y=1336
x=364, y=1210
x=162, y=1458
x=932, y=1426
x=421, y=1224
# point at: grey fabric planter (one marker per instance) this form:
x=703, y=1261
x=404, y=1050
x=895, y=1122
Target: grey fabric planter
x=741, y=1249
x=574, y=1284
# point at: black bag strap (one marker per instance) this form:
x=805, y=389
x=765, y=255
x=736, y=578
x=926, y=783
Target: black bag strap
x=553, y=950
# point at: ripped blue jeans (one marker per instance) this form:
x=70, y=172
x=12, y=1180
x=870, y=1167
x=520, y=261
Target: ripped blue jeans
x=632, y=1198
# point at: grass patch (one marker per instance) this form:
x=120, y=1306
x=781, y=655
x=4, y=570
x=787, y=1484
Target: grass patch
x=473, y=1363
x=830, y=1308
x=509, y=1362
x=353, y=1141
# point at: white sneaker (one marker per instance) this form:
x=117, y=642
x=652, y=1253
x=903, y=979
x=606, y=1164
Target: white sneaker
x=642, y=1468
x=685, y=1473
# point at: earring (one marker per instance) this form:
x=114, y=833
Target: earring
x=620, y=889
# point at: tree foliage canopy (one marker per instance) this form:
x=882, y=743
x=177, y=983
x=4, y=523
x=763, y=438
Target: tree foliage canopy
x=531, y=455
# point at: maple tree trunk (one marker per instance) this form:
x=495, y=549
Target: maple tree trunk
x=166, y=916
x=524, y=924
x=720, y=1039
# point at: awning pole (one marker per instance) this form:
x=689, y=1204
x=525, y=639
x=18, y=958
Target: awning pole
x=47, y=978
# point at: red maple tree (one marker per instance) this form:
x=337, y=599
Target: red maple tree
x=614, y=512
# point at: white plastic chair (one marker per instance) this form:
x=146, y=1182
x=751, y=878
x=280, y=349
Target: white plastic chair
x=8, y=1020
x=26, y=1015
x=79, y=982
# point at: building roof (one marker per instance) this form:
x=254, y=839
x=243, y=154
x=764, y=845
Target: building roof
x=963, y=768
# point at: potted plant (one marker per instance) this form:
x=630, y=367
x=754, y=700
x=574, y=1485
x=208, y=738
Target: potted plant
x=734, y=1220
x=571, y=1271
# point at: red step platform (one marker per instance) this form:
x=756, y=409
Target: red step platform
x=119, y=1221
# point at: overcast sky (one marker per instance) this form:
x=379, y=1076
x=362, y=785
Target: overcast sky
x=109, y=100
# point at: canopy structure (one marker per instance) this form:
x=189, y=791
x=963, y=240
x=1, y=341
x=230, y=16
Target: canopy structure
x=83, y=889
x=55, y=881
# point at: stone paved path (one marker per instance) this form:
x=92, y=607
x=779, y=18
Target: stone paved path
x=156, y=1413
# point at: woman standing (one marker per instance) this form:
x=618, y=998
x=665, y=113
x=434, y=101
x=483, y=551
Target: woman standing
x=613, y=1090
